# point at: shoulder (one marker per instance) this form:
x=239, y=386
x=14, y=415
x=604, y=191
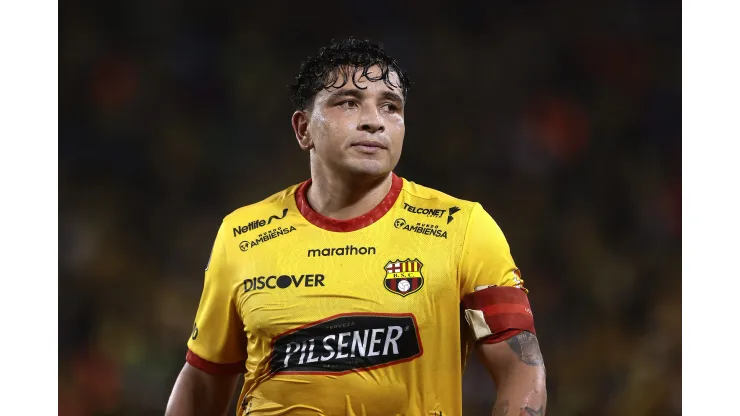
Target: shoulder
x=275, y=206
x=418, y=197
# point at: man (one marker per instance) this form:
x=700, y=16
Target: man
x=343, y=295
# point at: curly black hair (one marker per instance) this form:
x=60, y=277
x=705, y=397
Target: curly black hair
x=338, y=59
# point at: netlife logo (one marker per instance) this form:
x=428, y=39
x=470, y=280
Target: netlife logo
x=253, y=225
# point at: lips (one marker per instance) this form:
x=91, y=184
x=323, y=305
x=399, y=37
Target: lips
x=369, y=144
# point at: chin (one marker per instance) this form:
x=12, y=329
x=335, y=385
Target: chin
x=369, y=168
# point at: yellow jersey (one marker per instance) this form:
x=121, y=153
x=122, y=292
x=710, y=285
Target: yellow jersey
x=357, y=317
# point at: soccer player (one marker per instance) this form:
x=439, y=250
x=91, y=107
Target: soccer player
x=358, y=292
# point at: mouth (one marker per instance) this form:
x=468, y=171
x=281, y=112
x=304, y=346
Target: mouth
x=369, y=146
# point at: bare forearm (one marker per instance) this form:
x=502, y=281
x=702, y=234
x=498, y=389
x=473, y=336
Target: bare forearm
x=522, y=395
x=520, y=384
x=197, y=394
x=186, y=399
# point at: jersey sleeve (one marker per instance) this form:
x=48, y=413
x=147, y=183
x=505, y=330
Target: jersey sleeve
x=486, y=258
x=217, y=344
x=495, y=302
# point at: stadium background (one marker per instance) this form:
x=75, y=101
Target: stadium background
x=561, y=118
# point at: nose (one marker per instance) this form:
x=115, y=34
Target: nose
x=371, y=121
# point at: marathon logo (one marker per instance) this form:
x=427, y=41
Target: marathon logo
x=349, y=250
x=436, y=213
x=257, y=224
x=347, y=343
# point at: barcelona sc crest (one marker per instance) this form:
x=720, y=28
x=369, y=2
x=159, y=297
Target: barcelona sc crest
x=403, y=277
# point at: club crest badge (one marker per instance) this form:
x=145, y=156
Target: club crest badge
x=403, y=277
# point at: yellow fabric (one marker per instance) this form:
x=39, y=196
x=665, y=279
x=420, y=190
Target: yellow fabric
x=322, y=297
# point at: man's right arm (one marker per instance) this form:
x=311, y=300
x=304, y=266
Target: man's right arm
x=199, y=393
x=217, y=348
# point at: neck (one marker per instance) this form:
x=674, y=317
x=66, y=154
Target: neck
x=343, y=197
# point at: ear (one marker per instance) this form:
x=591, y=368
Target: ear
x=300, y=127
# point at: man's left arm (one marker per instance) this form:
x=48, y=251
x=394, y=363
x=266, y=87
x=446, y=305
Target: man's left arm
x=497, y=310
x=518, y=370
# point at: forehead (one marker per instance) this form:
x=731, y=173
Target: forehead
x=367, y=81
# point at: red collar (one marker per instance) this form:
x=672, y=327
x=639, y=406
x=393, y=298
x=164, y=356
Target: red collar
x=352, y=224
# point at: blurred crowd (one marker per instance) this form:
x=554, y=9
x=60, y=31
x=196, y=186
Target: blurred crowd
x=561, y=118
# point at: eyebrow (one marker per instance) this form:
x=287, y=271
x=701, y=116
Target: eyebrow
x=389, y=95
x=356, y=93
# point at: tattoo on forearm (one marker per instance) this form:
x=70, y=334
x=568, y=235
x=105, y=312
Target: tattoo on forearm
x=501, y=409
x=526, y=347
x=528, y=411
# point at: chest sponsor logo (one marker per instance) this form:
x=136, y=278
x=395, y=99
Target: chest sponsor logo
x=432, y=212
x=349, y=250
x=253, y=225
x=429, y=212
x=403, y=277
x=265, y=237
x=283, y=281
x=347, y=343
x=426, y=229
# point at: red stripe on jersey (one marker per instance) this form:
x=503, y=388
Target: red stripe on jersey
x=353, y=224
x=212, y=368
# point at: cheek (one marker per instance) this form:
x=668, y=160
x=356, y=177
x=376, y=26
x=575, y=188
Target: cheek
x=396, y=120
x=398, y=127
x=330, y=132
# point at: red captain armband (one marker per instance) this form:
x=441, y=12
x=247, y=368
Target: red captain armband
x=497, y=313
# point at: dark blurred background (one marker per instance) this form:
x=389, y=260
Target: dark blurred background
x=561, y=118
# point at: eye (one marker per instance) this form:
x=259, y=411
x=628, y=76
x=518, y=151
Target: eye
x=390, y=107
x=348, y=104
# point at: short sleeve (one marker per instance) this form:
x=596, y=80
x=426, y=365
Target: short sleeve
x=217, y=344
x=486, y=258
